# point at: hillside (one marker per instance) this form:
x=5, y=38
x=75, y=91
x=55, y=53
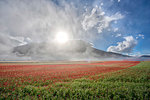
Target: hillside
x=72, y=50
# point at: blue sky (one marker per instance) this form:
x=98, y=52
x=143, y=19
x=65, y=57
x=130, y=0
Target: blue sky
x=136, y=21
x=121, y=26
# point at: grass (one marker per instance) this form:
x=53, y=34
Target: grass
x=129, y=84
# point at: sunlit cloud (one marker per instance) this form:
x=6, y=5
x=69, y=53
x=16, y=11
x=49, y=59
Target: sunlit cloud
x=97, y=18
x=125, y=46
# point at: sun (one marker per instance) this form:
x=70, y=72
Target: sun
x=62, y=37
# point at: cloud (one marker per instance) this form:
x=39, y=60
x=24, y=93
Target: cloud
x=24, y=21
x=116, y=29
x=105, y=23
x=38, y=21
x=21, y=40
x=118, y=35
x=102, y=4
x=140, y=36
x=97, y=18
x=125, y=46
x=91, y=19
x=118, y=0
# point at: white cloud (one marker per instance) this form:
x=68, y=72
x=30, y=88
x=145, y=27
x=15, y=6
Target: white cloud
x=125, y=46
x=105, y=22
x=118, y=35
x=21, y=40
x=97, y=18
x=38, y=20
x=90, y=20
x=118, y=0
x=116, y=29
x=140, y=36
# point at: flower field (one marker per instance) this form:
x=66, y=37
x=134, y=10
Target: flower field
x=75, y=80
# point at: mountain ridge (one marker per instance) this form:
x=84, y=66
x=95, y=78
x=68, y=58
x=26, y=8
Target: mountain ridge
x=76, y=49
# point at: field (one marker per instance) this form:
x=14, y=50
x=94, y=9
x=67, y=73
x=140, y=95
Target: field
x=75, y=80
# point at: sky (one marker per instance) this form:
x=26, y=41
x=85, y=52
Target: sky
x=120, y=26
x=135, y=23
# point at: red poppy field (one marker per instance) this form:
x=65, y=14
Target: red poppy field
x=30, y=80
x=62, y=71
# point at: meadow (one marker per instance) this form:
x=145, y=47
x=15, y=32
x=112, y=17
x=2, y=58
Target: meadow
x=102, y=80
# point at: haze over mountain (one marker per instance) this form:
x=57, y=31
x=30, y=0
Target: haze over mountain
x=72, y=50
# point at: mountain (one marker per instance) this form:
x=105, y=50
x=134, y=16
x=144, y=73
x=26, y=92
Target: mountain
x=145, y=56
x=72, y=50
